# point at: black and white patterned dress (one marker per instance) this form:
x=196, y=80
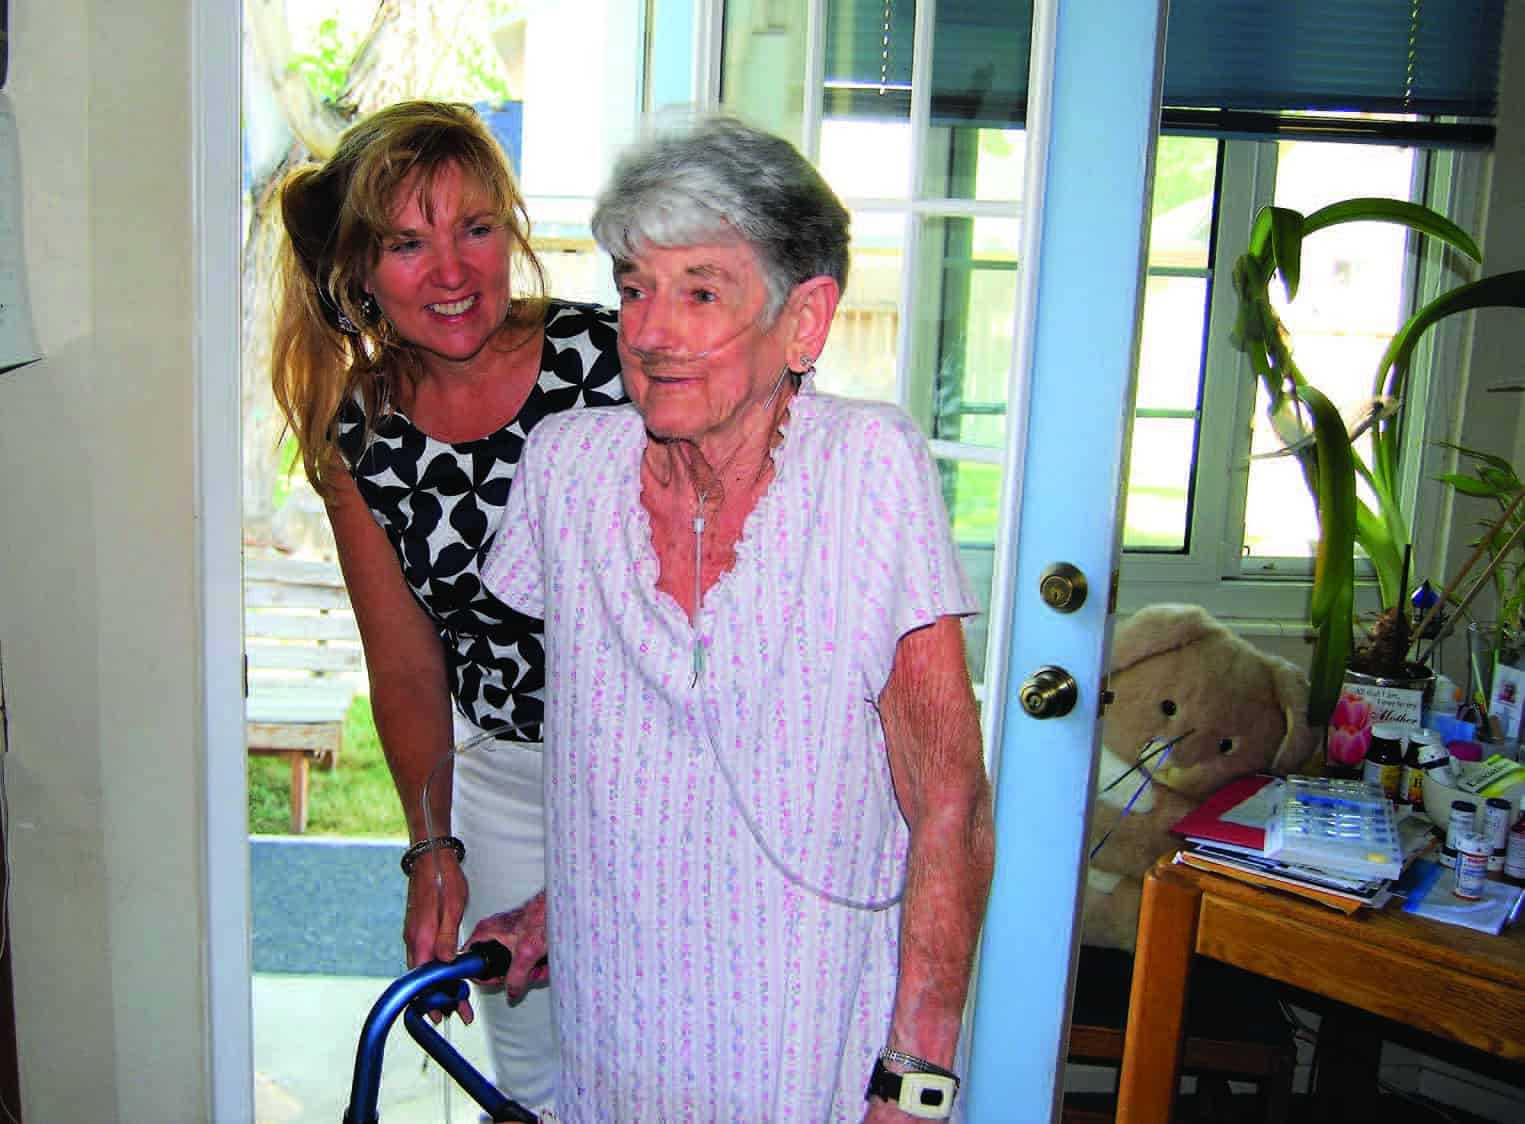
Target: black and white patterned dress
x=441, y=503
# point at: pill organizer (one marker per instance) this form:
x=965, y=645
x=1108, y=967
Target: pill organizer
x=1341, y=825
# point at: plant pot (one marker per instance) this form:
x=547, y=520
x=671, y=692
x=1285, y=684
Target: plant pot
x=1366, y=700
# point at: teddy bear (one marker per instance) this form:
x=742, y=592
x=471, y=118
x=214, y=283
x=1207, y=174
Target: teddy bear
x=1191, y=706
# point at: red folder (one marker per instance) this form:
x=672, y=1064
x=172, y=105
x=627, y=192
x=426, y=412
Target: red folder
x=1206, y=822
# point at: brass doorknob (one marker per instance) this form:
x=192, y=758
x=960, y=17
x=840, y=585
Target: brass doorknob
x=1049, y=692
x=1062, y=587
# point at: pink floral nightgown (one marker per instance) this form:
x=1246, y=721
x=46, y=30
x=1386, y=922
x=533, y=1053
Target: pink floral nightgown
x=725, y=858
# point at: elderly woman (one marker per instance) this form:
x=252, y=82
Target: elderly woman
x=768, y=822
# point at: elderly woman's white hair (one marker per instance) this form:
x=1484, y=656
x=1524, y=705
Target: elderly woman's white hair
x=720, y=180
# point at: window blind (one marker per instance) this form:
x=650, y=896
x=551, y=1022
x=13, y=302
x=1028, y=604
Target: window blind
x=1242, y=57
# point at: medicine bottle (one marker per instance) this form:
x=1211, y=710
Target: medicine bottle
x=1384, y=759
x=1514, y=853
x=1425, y=750
x=1497, y=816
x=1463, y=818
x=1471, y=865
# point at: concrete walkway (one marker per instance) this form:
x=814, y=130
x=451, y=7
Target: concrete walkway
x=306, y=1029
x=327, y=942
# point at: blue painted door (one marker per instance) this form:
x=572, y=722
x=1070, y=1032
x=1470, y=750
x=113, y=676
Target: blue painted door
x=1092, y=120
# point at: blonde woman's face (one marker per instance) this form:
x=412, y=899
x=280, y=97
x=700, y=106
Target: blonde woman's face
x=442, y=275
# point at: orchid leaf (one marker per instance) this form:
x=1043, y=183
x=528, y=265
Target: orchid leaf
x=1379, y=539
x=1335, y=489
x=1287, y=245
x=1331, y=652
x=1260, y=237
x=1332, y=600
x=1502, y=290
x=1416, y=216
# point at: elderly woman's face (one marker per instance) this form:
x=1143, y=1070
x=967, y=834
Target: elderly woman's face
x=696, y=353
x=441, y=276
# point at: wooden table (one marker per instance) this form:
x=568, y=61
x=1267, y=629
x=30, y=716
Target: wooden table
x=1462, y=985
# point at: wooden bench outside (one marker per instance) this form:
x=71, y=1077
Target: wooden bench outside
x=304, y=666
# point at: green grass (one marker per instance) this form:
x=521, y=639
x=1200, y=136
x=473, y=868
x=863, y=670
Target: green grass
x=355, y=798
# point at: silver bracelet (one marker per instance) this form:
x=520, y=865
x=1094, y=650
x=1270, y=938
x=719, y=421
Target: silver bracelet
x=411, y=856
x=915, y=1064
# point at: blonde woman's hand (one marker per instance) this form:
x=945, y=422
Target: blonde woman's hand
x=432, y=924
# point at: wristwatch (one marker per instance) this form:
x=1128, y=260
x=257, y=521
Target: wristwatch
x=926, y=1092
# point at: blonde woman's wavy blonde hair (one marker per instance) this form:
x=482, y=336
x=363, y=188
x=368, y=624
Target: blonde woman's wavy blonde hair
x=330, y=342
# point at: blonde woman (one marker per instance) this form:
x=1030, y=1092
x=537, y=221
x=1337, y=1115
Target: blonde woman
x=414, y=354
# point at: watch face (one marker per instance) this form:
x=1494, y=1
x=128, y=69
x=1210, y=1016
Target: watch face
x=926, y=1095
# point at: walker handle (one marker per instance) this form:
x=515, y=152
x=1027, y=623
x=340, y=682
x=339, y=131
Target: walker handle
x=436, y=986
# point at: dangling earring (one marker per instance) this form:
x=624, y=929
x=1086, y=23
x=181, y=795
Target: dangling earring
x=369, y=308
x=331, y=308
x=807, y=364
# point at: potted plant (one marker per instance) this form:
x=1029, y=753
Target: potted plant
x=1323, y=442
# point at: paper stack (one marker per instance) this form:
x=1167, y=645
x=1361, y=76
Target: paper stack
x=1333, y=842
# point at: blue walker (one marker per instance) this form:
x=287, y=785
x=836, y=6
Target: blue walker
x=436, y=986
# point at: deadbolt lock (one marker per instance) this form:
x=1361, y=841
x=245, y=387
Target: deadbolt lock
x=1062, y=587
x=1049, y=692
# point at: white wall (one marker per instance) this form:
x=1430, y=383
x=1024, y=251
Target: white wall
x=98, y=572
x=1495, y=422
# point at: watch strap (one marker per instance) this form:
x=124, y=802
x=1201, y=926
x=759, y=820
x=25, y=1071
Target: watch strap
x=921, y=1093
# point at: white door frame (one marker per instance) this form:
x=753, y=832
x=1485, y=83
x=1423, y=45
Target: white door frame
x=216, y=160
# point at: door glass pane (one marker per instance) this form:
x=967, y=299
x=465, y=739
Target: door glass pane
x=869, y=46
x=866, y=159
x=963, y=319
x=1159, y=483
x=972, y=492
x=1177, y=293
x=1349, y=302
x=975, y=144
x=1181, y=215
x=1165, y=423
x=968, y=162
x=1170, y=354
x=762, y=63
x=859, y=359
x=327, y=898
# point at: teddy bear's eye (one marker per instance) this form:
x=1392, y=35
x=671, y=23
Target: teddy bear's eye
x=1226, y=745
x=1168, y=708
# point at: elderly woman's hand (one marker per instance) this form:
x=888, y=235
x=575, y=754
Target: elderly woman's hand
x=522, y=932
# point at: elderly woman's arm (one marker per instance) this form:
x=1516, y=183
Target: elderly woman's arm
x=932, y=732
